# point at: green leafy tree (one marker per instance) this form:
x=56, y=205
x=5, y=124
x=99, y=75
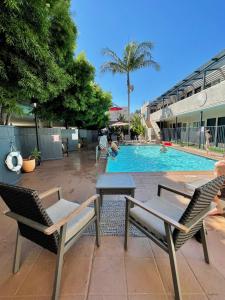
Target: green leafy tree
x=63, y=33
x=31, y=65
x=135, y=56
x=136, y=125
x=83, y=103
x=97, y=108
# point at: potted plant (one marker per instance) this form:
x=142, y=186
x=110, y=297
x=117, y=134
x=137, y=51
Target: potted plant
x=30, y=162
x=36, y=155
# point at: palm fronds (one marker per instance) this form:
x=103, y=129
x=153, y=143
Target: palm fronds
x=135, y=56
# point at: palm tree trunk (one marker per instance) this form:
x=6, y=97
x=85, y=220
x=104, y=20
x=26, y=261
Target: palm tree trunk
x=128, y=95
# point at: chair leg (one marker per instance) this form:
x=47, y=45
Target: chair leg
x=173, y=263
x=59, y=264
x=127, y=223
x=17, y=255
x=97, y=223
x=204, y=243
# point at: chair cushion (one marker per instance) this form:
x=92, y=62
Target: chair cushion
x=62, y=208
x=152, y=223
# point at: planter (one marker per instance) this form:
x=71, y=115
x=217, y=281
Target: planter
x=29, y=165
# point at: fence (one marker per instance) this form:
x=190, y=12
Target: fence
x=195, y=136
x=7, y=138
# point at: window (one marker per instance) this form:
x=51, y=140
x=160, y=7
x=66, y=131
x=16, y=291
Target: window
x=198, y=89
x=221, y=121
x=196, y=124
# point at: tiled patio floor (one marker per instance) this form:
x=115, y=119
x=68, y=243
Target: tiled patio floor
x=110, y=273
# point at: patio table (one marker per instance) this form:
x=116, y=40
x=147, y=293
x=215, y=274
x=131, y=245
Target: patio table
x=115, y=184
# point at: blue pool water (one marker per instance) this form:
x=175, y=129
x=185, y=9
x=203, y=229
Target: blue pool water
x=150, y=159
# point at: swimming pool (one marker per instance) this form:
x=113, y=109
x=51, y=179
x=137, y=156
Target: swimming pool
x=150, y=159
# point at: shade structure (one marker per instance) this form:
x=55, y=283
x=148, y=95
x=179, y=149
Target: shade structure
x=118, y=124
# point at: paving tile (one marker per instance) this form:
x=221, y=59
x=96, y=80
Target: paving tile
x=189, y=284
x=84, y=247
x=75, y=277
x=147, y=297
x=114, y=297
x=190, y=297
x=108, y=276
x=160, y=253
x=139, y=247
x=216, y=248
x=70, y=297
x=9, y=282
x=95, y=297
x=107, y=297
x=111, y=246
x=142, y=276
x=208, y=276
x=216, y=297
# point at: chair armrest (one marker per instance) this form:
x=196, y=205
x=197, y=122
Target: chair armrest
x=57, y=189
x=160, y=186
x=159, y=215
x=51, y=229
x=71, y=215
x=26, y=221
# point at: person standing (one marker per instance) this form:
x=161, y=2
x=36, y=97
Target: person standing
x=207, y=140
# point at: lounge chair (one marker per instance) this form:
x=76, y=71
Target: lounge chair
x=55, y=228
x=170, y=226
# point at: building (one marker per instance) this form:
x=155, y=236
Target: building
x=116, y=112
x=193, y=104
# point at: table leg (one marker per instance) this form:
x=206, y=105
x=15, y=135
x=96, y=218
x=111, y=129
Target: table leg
x=132, y=193
x=101, y=199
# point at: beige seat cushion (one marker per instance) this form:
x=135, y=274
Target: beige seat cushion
x=62, y=208
x=152, y=223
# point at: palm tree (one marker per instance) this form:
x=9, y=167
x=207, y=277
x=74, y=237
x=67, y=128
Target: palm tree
x=135, y=56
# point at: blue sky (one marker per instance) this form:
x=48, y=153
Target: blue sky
x=186, y=34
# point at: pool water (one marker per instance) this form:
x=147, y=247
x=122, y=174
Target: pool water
x=150, y=159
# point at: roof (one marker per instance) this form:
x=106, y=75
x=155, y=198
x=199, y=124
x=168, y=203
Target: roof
x=214, y=65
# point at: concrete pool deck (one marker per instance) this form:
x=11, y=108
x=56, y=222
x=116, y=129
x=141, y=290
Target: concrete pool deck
x=110, y=273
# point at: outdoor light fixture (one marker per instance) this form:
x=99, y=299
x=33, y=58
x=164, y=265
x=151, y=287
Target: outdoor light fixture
x=36, y=125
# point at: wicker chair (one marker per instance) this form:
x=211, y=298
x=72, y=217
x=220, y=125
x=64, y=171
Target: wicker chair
x=55, y=228
x=170, y=226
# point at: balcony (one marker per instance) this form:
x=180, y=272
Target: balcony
x=205, y=100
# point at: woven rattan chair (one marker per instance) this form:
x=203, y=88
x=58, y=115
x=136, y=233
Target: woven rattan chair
x=55, y=228
x=170, y=226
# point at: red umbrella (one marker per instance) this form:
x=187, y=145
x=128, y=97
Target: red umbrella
x=115, y=108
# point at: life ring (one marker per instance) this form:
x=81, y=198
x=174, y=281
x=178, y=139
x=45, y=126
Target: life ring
x=9, y=161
